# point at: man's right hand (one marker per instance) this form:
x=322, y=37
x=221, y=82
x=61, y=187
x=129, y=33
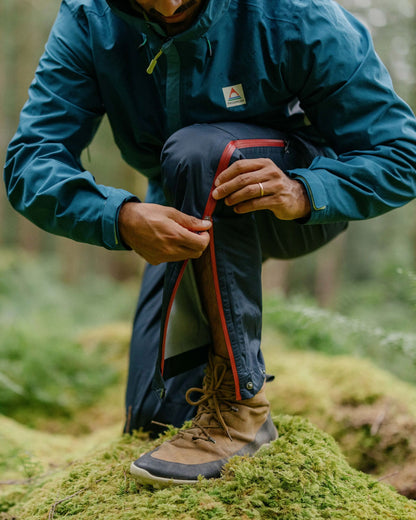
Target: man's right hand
x=162, y=234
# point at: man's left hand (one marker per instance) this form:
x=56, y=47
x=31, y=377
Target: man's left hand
x=255, y=184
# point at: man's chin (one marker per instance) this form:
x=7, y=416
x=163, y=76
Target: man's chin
x=173, y=28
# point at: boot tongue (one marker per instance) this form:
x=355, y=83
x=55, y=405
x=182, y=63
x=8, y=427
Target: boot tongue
x=218, y=392
x=220, y=373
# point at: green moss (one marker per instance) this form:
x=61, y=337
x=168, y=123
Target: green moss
x=370, y=413
x=301, y=476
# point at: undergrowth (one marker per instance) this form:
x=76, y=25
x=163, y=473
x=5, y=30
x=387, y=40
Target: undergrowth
x=43, y=368
x=311, y=328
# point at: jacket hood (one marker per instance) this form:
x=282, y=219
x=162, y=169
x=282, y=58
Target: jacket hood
x=211, y=13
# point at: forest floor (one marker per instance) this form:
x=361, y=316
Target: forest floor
x=347, y=436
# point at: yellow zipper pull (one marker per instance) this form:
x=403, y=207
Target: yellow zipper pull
x=153, y=63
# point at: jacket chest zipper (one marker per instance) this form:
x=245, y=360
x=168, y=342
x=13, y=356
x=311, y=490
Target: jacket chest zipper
x=172, y=93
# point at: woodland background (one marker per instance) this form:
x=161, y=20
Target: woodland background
x=369, y=254
x=368, y=273
x=329, y=320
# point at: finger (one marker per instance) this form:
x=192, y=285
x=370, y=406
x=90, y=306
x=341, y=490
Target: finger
x=189, y=245
x=184, y=253
x=177, y=255
x=250, y=173
x=189, y=240
x=233, y=185
x=238, y=168
x=252, y=191
x=190, y=222
x=252, y=205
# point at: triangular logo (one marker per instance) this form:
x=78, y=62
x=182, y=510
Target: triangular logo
x=234, y=95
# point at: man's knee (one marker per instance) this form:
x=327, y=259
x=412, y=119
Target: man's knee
x=191, y=156
x=189, y=161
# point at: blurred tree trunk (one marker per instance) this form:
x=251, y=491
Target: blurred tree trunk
x=27, y=48
x=8, y=57
x=328, y=271
x=18, y=42
x=276, y=275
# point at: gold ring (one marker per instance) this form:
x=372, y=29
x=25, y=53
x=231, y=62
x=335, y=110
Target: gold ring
x=261, y=189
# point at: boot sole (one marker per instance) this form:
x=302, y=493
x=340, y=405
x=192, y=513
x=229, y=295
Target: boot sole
x=145, y=477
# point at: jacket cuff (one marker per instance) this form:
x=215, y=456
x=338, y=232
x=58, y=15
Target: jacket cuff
x=312, y=180
x=111, y=236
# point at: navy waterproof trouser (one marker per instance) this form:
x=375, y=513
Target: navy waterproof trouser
x=171, y=335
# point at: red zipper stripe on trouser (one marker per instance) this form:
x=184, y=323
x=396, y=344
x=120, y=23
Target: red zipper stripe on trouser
x=209, y=209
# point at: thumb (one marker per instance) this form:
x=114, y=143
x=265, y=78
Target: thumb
x=192, y=223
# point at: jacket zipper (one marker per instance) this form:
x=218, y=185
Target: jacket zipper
x=153, y=62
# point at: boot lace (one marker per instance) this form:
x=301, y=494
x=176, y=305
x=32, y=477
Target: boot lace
x=218, y=396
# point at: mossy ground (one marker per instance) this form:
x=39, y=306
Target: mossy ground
x=301, y=476
x=369, y=412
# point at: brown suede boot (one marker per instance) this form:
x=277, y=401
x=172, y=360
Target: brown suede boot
x=222, y=428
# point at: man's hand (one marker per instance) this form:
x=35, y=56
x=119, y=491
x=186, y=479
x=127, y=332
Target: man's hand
x=162, y=234
x=241, y=186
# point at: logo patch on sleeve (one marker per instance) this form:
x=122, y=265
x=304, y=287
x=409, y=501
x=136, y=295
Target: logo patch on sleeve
x=234, y=96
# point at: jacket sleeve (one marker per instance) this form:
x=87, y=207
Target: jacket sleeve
x=44, y=177
x=348, y=97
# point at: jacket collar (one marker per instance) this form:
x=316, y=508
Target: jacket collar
x=211, y=13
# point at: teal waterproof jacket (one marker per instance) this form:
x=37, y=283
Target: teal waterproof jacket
x=305, y=66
